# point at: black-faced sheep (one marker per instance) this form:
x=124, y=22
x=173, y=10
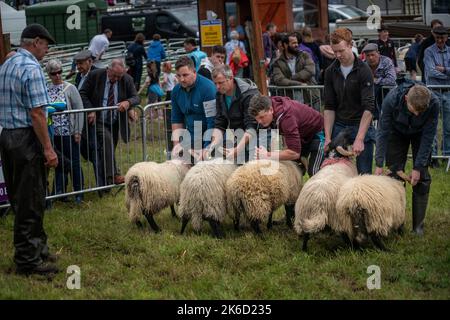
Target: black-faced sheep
x=203, y=196
x=375, y=205
x=315, y=207
x=261, y=186
x=151, y=187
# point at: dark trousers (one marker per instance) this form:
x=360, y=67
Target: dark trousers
x=396, y=157
x=365, y=159
x=107, y=139
x=68, y=162
x=314, y=152
x=25, y=177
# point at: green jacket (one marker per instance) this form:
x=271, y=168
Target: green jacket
x=304, y=71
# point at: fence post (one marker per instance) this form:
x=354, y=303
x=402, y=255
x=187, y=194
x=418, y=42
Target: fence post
x=143, y=134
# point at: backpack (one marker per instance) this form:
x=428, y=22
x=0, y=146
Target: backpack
x=130, y=60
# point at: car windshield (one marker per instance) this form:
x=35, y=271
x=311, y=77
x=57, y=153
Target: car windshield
x=353, y=12
x=188, y=16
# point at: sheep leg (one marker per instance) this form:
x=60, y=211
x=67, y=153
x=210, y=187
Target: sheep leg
x=349, y=242
x=236, y=220
x=184, y=223
x=305, y=242
x=270, y=222
x=378, y=242
x=290, y=213
x=139, y=224
x=255, y=226
x=215, y=227
x=401, y=229
x=152, y=222
x=172, y=209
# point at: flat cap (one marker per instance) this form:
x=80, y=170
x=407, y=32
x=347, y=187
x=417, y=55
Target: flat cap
x=440, y=30
x=36, y=30
x=83, y=55
x=370, y=47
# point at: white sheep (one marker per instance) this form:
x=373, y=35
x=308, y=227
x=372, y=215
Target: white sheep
x=316, y=205
x=375, y=205
x=151, y=187
x=203, y=196
x=261, y=186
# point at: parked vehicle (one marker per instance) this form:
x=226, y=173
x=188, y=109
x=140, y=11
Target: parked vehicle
x=176, y=22
x=307, y=15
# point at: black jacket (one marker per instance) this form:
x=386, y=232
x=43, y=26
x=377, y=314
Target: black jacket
x=93, y=90
x=350, y=97
x=237, y=117
x=78, y=76
x=396, y=119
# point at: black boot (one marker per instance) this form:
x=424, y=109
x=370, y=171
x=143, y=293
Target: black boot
x=419, y=208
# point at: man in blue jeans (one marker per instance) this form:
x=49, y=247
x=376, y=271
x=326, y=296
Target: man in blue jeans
x=437, y=72
x=349, y=99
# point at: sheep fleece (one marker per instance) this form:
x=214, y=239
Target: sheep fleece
x=382, y=197
x=158, y=186
x=202, y=192
x=262, y=186
x=316, y=205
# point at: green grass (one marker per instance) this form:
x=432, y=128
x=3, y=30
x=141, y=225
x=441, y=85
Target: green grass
x=118, y=261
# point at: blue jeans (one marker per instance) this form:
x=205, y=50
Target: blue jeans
x=364, y=160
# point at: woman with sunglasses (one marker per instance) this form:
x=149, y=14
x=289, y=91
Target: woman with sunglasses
x=67, y=130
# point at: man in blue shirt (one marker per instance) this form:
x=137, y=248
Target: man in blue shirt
x=437, y=72
x=193, y=109
x=26, y=149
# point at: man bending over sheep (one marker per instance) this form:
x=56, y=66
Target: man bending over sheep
x=232, y=101
x=300, y=125
x=409, y=116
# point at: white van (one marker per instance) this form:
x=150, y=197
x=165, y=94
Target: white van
x=13, y=22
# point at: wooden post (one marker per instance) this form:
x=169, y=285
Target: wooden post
x=259, y=72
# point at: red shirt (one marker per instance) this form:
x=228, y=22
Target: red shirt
x=298, y=123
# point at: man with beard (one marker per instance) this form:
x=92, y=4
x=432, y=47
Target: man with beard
x=293, y=68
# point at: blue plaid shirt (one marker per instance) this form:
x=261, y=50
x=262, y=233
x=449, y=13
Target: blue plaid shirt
x=22, y=87
x=436, y=57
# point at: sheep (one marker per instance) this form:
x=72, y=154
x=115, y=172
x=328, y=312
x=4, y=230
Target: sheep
x=315, y=207
x=261, y=186
x=202, y=195
x=375, y=205
x=151, y=187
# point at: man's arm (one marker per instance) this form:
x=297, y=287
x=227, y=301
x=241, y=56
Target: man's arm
x=430, y=66
x=358, y=144
x=384, y=129
x=328, y=122
x=330, y=103
x=428, y=133
x=39, y=122
x=390, y=76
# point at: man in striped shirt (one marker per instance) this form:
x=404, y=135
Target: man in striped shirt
x=26, y=149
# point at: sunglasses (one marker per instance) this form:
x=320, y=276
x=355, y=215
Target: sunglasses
x=55, y=73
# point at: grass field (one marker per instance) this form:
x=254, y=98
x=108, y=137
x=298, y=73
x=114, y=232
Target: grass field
x=118, y=261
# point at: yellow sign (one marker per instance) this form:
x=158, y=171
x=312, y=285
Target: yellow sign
x=211, y=33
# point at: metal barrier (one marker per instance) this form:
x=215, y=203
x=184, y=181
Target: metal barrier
x=312, y=95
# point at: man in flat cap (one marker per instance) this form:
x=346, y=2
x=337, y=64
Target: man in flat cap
x=383, y=72
x=386, y=46
x=437, y=72
x=84, y=62
x=26, y=149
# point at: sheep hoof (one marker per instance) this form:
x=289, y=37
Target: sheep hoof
x=184, y=223
x=217, y=231
x=401, y=230
x=305, y=242
x=378, y=242
x=255, y=226
x=172, y=210
x=152, y=223
x=139, y=225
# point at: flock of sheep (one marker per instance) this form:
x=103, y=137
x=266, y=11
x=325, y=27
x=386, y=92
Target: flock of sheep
x=357, y=207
